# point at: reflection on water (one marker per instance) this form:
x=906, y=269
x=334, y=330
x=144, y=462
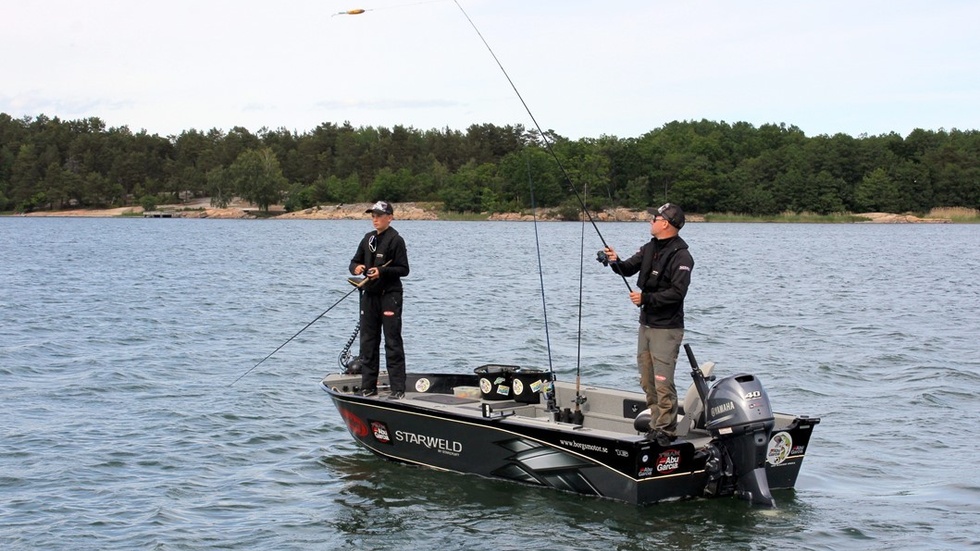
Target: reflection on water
x=474, y=510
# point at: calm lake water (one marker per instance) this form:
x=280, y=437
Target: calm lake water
x=119, y=339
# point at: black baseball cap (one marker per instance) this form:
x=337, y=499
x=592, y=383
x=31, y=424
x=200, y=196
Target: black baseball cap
x=671, y=212
x=381, y=207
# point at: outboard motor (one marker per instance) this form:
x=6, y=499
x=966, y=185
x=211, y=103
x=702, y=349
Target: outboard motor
x=740, y=418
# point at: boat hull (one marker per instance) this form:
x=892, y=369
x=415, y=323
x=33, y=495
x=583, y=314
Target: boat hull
x=524, y=443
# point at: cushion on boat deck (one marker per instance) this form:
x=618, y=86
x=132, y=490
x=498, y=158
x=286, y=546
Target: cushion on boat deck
x=447, y=399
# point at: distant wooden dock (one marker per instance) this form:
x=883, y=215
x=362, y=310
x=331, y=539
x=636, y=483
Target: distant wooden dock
x=158, y=214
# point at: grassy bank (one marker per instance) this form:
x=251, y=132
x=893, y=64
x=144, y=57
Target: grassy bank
x=959, y=215
x=452, y=216
x=788, y=217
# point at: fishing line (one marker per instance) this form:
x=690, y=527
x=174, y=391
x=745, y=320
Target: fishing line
x=296, y=335
x=544, y=137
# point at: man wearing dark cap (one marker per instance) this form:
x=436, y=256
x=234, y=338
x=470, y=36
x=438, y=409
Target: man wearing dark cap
x=665, y=266
x=383, y=259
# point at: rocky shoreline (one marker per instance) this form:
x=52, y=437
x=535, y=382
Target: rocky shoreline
x=348, y=211
x=201, y=208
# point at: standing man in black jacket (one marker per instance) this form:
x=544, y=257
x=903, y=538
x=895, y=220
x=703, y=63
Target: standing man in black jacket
x=383, y=259
x=665, y=266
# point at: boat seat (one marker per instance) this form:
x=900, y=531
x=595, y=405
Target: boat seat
x=693, y=407
x=690, y=410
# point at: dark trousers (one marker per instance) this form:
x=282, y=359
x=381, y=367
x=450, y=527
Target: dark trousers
x=382, y=313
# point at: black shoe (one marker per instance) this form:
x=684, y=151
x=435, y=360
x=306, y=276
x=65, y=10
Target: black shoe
x=369, y=392
x=396, y=395
x=662, y=438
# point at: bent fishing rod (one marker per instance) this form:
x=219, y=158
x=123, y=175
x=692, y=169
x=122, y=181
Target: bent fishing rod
x=544, y=137
x=349, y=293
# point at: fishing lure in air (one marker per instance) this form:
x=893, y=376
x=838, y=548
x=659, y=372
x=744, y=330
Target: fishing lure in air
x=359, y=11
x=350, y=12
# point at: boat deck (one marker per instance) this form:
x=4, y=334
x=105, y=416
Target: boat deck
x=608, y=413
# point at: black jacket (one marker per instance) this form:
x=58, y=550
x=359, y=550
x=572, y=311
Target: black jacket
x=376, y=250
x=665, y=273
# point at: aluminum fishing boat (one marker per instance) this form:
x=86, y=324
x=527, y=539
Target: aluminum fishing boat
x=508, y=422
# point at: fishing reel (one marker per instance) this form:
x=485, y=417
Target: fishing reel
x=351, y=364
x=602, y=258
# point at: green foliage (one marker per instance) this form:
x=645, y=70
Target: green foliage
x=299, y=197
x=569, y=210
x=149, y=203
x=256, y=177
x=706, y=166
x=392, y=185
x=337, y=190
x=37, y=201
x=638, y=191
x=459, y=198
x=877, y=192
x=532, y=169
x=220, y=187
x=464, y=190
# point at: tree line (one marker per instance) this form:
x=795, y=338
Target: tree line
x=705, y=166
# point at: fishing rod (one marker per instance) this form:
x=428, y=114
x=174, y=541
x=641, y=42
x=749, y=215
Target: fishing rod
x=349, y=293
x=544, y=137
x=550, y=394
x=578, y=417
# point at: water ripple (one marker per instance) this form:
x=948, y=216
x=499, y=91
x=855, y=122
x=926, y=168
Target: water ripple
x=121, y=430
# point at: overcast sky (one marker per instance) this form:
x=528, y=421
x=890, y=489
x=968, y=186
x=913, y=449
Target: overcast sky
x=585, y=68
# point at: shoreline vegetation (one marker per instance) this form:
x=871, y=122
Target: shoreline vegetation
x=201, y=208
x=766, y=173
